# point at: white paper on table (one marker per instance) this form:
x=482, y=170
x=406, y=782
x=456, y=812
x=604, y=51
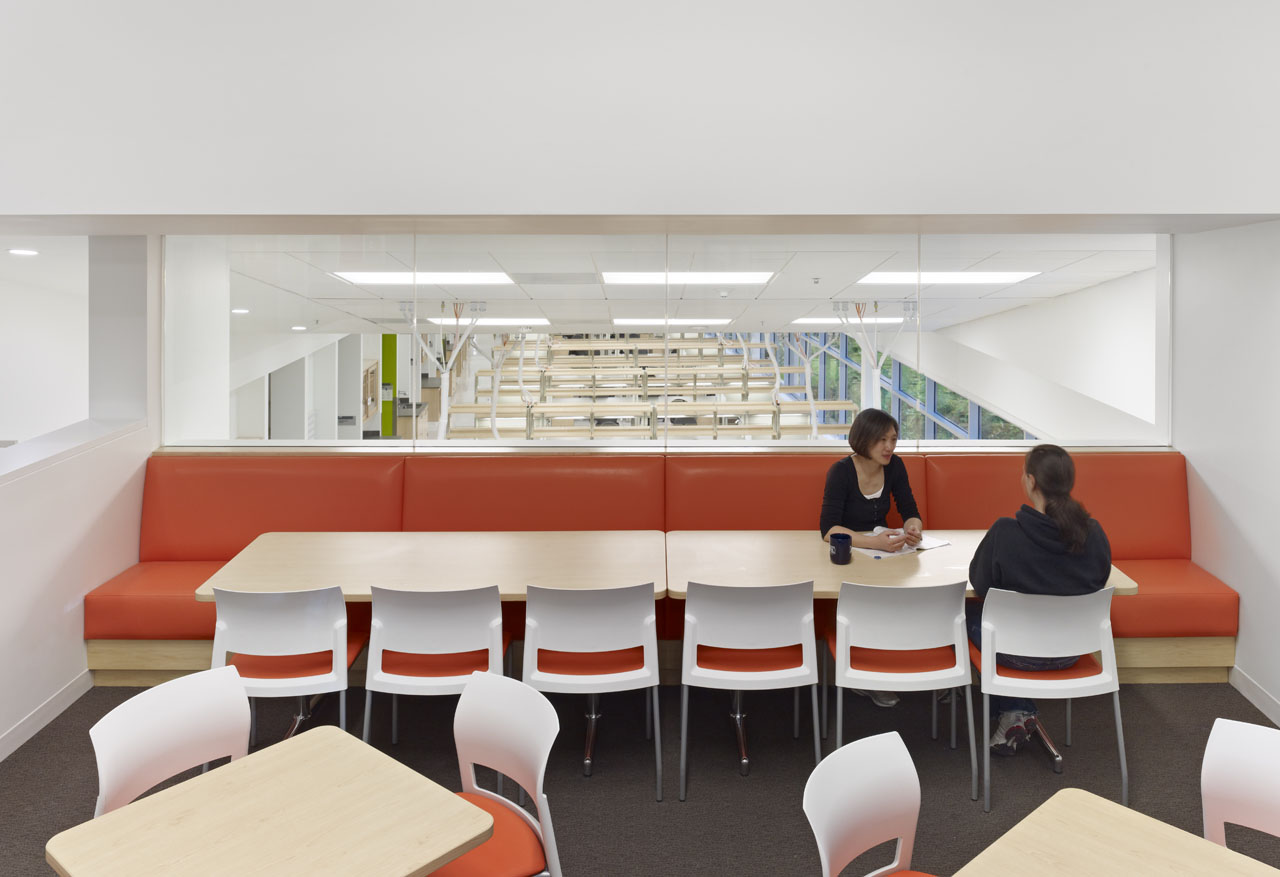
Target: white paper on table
x=926, y=542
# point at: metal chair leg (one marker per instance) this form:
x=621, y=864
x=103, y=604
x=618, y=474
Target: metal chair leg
x=1124, y=766
x=817, y=736
x=657, y=745
x=839, y=717
x=593, y=716
x=740, y=728
x=973, y=742
x=955, y=695
x=1036, y=729
x=368, y=714
x=828, y=670
x=684, y=739
x=986, y=753
x=342, y=709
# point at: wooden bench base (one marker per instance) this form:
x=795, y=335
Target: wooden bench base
x=1141, y=660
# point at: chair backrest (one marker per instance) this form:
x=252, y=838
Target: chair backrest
x=902, y=618
x=1240, y=779
x=504, y=724
x=280, y=623
x=765, y=617
x=590, y=620
x=1044, y=626
x=166, y=730
x=862, y=795
x=436, y=623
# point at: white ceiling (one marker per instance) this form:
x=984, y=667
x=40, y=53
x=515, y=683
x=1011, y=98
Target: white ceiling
x=287, y=280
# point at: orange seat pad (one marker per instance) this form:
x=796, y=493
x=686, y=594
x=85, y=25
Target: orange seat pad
x=154, y=600
x=552, y=492
x=513, y=850
x=447, y=664
x=1175, y=598
x=591, y=663
x=761, y=492
x=882, y=660
x=750, y=660
x=297, y=666
x=1085, y=667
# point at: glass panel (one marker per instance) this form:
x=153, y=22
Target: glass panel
x=44, y=335
x=953, y=407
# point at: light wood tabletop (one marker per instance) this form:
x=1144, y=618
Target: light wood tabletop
x=322, y=802
x=773, y=557
x=1077, y=832
x=435, y=561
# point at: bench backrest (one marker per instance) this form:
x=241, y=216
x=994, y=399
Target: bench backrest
x=760, y=491
x=1140, y=499
x=210, y=507
x=534, y=492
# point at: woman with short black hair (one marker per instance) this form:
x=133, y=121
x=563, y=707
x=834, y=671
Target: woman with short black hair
x=856, y=498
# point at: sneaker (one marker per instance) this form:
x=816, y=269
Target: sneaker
x=879, y=698
x=1010, y=733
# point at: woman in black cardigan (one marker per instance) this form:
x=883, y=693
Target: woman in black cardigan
x=856, y=498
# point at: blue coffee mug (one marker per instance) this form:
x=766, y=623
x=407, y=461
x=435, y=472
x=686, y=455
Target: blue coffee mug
x=841, y=547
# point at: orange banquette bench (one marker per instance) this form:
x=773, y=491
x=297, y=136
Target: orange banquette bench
x=199, y=510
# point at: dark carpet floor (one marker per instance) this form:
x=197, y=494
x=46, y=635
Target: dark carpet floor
x=610, y=824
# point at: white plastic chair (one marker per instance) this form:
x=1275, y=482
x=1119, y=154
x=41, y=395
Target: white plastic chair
x=278, y=640
x=863, y=795
x=1240, y=779
x=591, y=642
x=1042, y=626
x=748, y=638
x=904, y=639
x=166, y=730
x=437, y=639
x=504, y=724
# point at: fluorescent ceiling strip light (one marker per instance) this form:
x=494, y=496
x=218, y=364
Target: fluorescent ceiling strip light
x=435, y=278
x=674, y=321
x=239, y=310
x=928, y=278
x=686, y=278
x=24, y=252
x=490, y=321
x=854, y=321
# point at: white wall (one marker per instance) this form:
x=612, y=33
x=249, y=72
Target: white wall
x=44, y=344
x=1099, y=342
x=197, y=316
x=1226, y=307
x=661, y=107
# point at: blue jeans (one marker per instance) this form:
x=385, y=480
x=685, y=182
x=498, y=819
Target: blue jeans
x=1002, y=703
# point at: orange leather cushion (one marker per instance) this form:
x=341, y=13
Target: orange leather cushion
x=534, y=493
x=1086, y=666
x=152, y=601
x=1140, y=500
x=970, y=491
x=447, y=664
x=295, y=666
x=750, y=660
x=1175, y=598
x=591, y=663
x=210, y=507
x=761, y=491
x=513, y=850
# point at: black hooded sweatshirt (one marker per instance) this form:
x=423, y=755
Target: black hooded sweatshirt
x=1026, y=554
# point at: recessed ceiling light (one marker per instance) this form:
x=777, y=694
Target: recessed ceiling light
x=674, y=321
x=298, y=328
x=686, y=278
x=932, y=277
x=853, y=320
x=490, y=321
x=239, y=310
x=24, y=252
x=436, y=278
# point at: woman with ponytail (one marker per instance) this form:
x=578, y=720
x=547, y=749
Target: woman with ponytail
x=1052, y=546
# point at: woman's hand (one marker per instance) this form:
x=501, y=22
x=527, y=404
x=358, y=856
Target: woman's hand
x=913, y=530
x=887, y=540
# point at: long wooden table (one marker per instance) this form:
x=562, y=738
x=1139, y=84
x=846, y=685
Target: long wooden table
x=1077, y=832
x=774, y=557
x=319, y=803
x=439, y=561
